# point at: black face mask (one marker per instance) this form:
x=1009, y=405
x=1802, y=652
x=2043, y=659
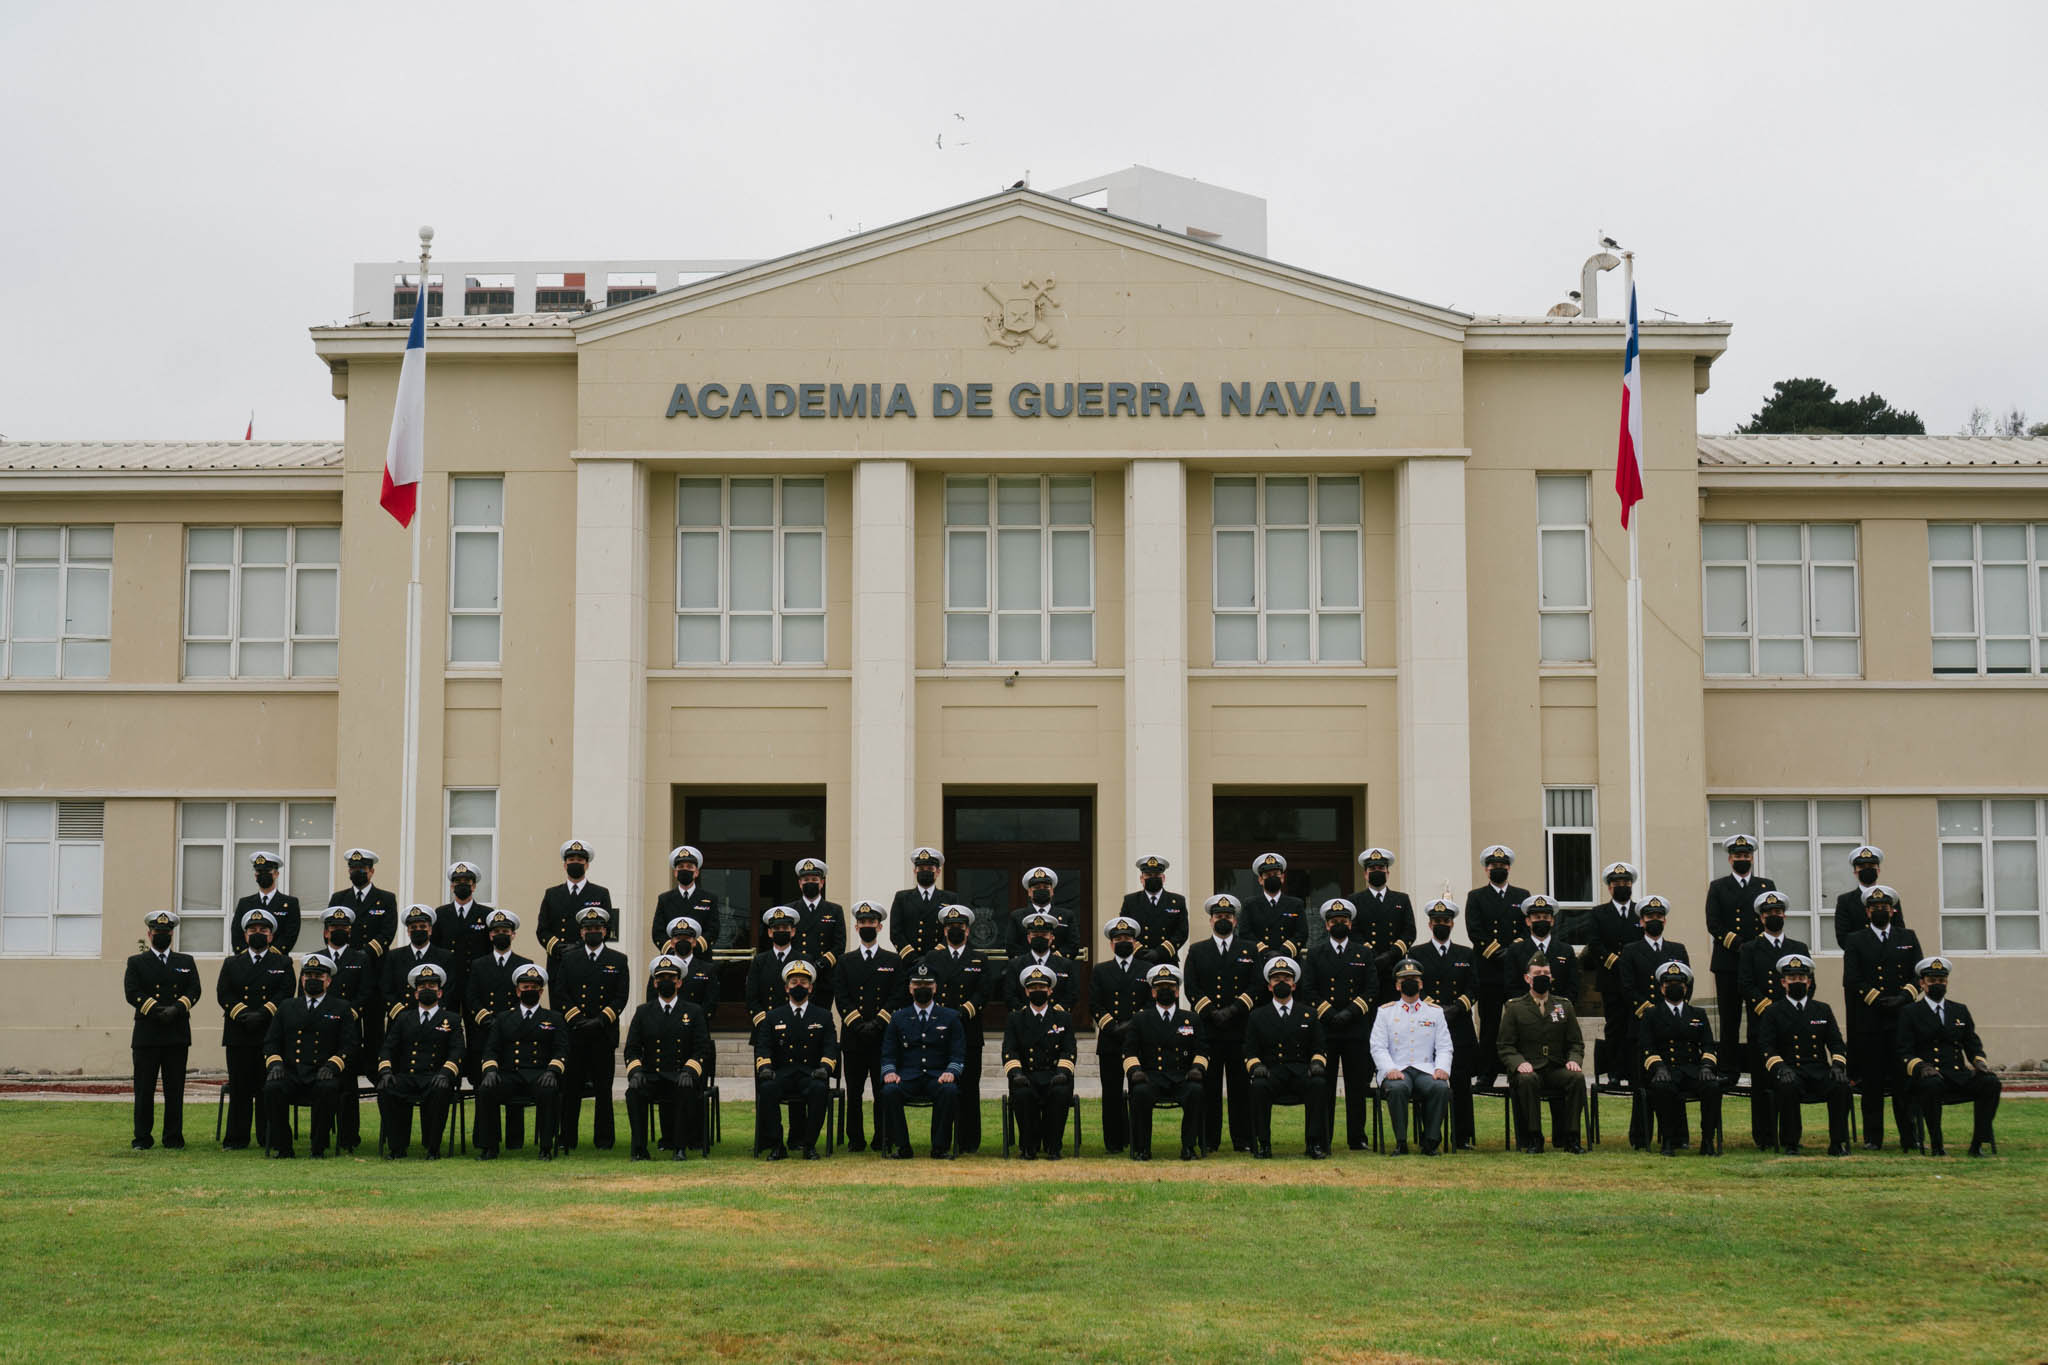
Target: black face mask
x=1039, y=943
x=1038, y=998
x=502, y=942
x=922, y=995
x=1497, y=875
x=1774, y=925
x=1867, y=876
x=575, y=870
x=1166, y=995
x=1339, y=929
x=1741, y=866
x=1223, y=928
x=529, y=997
x=419, y=937
x=1937, y=990
x=1282, y=989
x=812, y=890
x=1041, y=896
x=593, y=937
x=258, y=940
x=313, y=985
x=1124, y=947
x=1272, y=885
x=685, y=875
x=799, y=994
x=1674, y=991
x=1796, y=989
x=429, y=998
x=667, y=987
x=1153, y=885
x=266, y=880
x=926, y=876
x=359, y=877
x=1439, y=931
x=337, y=938
x=779, y=937
x=956, y=934
x=1881, y=915
x=1376, y=877
x=1410, y=987
x=160, y=940
x=1653, y=928
x=867, y=932
x=1539, y=984
x=463, y=889
x=1621, y=895
x=1539, y=928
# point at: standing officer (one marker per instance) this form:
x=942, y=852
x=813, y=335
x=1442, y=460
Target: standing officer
x=1223, y=982
x=1851, y=905
x=686, y=897
x=966, y=982
x=306, y=1049
x=1386, y=918
x=685, y=943
x=559, y=903
x=1041, y=932
x=161, y=987
x=914, y=913
x=1493, y=917
x=1274, y=921
x=1450, y=981
x=1542, y=1049
x=872, y=985
x=1411, y=1050
x=461, y=927
x=795, y=1054
x=1945, y=1059
x=282, y=909
x=487, y=992
x=420, y=950
x=253, y=982
x=1680, y=1059
x=1038, y=1061
x=376, y=910
x=821, y=931
x=1731, y=923
x=1757, y=970
x=1039, y=885
x=1605, y=930
x=1343, y=979
x=1804, y=1057
x=1285, y=1056
x=765, y=979
x=923, y=1057
x=524, y=1058
x=1880, y=978
x=358, y=979
x=1161, y=915
x=1165, y=1061
x=1119, y=992
x=668, y=1055
x=590, y=987
x=420, y=1063
x=1640, y=963
x=1540, y=918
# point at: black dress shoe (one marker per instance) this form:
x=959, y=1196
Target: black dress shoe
x=234, y=1146
x=1839, y=1149
x=1264, y=1151
x=1977, y=1149
x=1468, y=1145
x=1667, y=1150
x=810, y=1154
x=944, y=1156
x=1244, y=1147
x=1053, y=1153
x=433, y=1154
x=857, y=1145
x=393, y=1156
x=282, y=1154
x=1189, y=1154
x=1873, y=1146
x=547, y=1154
x=171, y=1146
x=1028, y=1154
x=1709, y=1149
x=1318, y=1154
x=681, y=1154
x=639, y=1154
x=1401, y=1148
x=1576, y=1148
x=141, y=1145
x=487, y=1154
x=319, y=1155
x=1429, y=1151
x=1937, y=1150
x=1359, y=1146
x=901, y=1154
x=1137, y=1155
x=774, y=1154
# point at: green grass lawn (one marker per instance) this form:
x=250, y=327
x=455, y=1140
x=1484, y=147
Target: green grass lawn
x=205, y=1255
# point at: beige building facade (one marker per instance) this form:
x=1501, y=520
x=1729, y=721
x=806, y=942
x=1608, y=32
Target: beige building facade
x=1217, y=555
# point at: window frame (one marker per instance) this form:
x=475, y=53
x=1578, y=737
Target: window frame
x=1592, y=832
x=2035, y=567
x=457, y=530
x=234, y=638
x=56, y=842
x=1753, y=636
x=1989, y=915
x=780, y=532
x=1584, y=530
x=450, y=832
x=1819, y=904
x=1260, y=612
x=992, y=612
x=64, y=565
x=311, y=898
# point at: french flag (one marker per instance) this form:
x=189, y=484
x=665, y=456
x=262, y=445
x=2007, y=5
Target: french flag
x=405, y=457
x=1628, y=463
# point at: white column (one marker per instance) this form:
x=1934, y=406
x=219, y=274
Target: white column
x=884, y=688
x=1156, y=671
x=608, y=788
x=1432, y=690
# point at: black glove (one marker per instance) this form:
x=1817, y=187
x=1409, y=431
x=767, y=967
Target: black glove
x=1891, y=1001
x=1781, y=1072
x=1981, y=1066
x=1316, y=1070
x=548, y=1079
x=492, y=1080
x=1197, y=1072
x=636, y=1082
x=326, y=1072
x=1019, y=1082
x=255, y=1022
x=1709, y=1076
x=1839, y=1075
x=1260, y=1071
x=589, y=1022
x=388, y=1080
x=821, y=1073
x=1134, y=1078
x=1454, y=1010
x=1226, y=1015
x=443, y=1082
x=686, y=1080
x=1344, y=1016
x=276, y=1072
x=1660, y=1074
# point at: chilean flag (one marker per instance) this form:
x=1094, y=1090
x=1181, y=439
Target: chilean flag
x=405, y=457
x=1628, y=465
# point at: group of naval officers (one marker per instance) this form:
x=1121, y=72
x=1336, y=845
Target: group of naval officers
x=1258, y=1014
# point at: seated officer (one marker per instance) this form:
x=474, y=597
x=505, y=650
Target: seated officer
x=1945, y=1062
x=1165, y=1058
x=1041, y=931
x=1804, y=1057
x=1543, y=1050
x=923, y=1056
x=796, y=1053
x=1680, y=1059
x=668, y=1053
x=307, y=1049
x=420, y=1064
x=161, y=987
x=1285, y=1053
x=524, y=1058
x=1038, y=1059
x=1411, y=1050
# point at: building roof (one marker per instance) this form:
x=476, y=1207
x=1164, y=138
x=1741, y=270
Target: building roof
x=481, y=320
x=1871, y=452
x=166, y=456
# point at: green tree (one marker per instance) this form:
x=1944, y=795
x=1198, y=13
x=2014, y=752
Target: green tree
x=1810, y=407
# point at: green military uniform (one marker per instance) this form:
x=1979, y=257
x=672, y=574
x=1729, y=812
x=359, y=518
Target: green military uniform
x=1546, y=1035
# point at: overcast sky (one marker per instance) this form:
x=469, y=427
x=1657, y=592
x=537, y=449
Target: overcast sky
x=1857, y=186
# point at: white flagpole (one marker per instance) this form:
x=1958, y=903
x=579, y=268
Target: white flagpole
x=1637, y=814
x=409, y=784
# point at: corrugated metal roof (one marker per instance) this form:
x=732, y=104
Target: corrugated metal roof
x=167, y=456
x=1871, y=452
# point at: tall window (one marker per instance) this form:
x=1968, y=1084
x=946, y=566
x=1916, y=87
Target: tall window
x=1568, y=830
x=262, y=601
x=473, y=834
x=750, y=571
x=1991, y=861
x=51, y=853
x=1989, y=585
x=475, y=573
x=1804, y=848
x=1020, y=569
x=56, y=585
x=215, y=839
x=1780, y=599
x=1290, y=576
x=1564, y=568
